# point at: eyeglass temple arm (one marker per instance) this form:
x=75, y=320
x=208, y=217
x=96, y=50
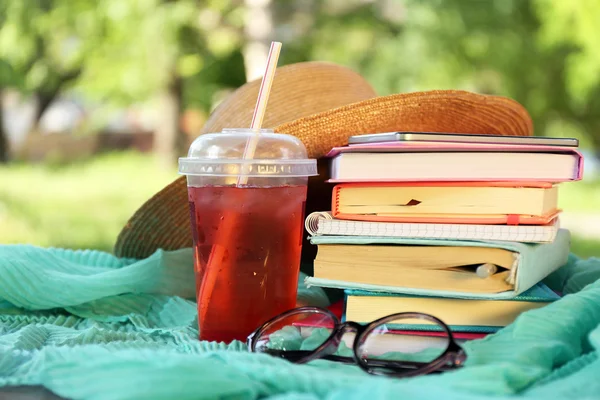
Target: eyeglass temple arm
x=296, y=355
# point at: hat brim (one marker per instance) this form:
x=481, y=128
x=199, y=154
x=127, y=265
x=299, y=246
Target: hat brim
x=433, y=111
x=163, y=221
x=298, y=90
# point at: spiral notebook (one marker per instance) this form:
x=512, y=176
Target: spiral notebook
x=323, y=224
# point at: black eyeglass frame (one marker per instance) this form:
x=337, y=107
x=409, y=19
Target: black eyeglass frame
x=453, y=357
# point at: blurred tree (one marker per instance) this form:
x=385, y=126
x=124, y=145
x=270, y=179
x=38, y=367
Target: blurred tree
x=125, y=52
x=505, y=47
x=573, y=23
x=492, y=47
x=42, y=44
x=258, y=32
x=515, y=48
x=191, y=53
x=6, y=77
x=175, y=51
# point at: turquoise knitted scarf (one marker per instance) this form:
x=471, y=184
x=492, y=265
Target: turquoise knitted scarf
x=87, y=325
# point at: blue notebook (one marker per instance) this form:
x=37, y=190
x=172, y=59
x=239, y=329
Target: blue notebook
x=462, y=315
x=533, y=262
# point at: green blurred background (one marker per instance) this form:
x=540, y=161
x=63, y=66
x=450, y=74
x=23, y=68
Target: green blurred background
x=99, y=98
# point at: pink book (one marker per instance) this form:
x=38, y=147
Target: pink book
x=446, y=161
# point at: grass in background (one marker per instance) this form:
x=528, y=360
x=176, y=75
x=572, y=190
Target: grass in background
x=82, y=205
x=85, y=205
x=583, y=198
x=580, y=197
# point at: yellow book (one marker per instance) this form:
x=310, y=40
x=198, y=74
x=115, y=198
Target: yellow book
x=451, y=268
x=437, y=201
x=364, y=306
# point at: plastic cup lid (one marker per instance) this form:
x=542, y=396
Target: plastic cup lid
x=222, y=154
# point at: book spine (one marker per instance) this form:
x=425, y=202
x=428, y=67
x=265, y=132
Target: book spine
x=579, y=172
x=513, y=219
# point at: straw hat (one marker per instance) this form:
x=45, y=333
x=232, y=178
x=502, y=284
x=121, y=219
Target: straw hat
x=322, y=104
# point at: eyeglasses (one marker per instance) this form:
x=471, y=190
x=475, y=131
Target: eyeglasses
x=400, y=345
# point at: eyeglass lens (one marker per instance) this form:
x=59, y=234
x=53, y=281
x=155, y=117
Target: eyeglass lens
x=297, y=331
x=408, y=343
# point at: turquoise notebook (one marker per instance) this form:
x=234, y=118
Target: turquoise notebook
x=539, y=293
x=533, y=263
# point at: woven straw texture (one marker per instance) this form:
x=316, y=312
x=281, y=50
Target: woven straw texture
x=298, y=90
x=433, y=111
x=163, y=221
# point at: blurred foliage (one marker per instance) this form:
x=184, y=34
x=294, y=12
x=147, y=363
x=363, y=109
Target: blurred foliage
x=31, y=46
x=121, y=51
x=540, y=52
x=499, y=47
x=574, y=23
x=146, y=44
x=41, y=51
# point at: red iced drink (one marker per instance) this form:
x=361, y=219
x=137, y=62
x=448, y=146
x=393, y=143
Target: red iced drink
x=247, y=217
x=247, y=254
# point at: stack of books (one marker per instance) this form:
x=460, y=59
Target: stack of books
x=465, y=232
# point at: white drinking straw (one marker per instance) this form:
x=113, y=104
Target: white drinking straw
x=261, y=105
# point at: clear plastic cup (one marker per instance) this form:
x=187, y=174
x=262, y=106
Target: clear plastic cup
x=247, y=220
